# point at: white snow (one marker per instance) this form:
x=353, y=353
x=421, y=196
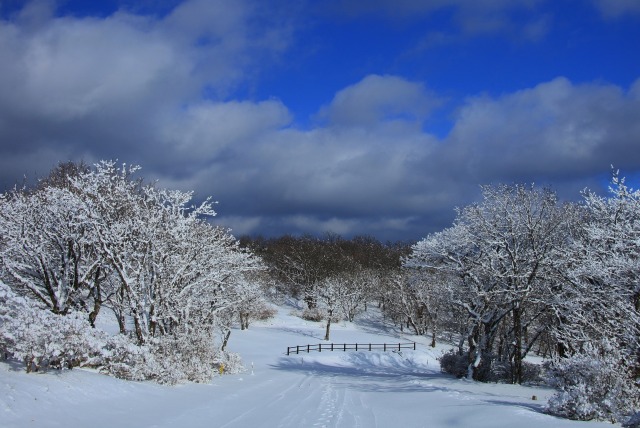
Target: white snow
x=328, y=389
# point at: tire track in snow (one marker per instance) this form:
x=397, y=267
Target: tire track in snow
x=328, y=404
x=308, y=400
x=317, y=404
x=289, y=394
x=359, y=414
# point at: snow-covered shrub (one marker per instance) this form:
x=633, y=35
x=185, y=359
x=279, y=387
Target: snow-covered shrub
x=169, y=359
x=184, y=357
x=45, y=340
x=633, y=421
x=500, y=371
x=42, y=339
x=230, y=362
x=593, y=384
x=121, y=357
x=490, y=368
x=255, y=308
x=532, y=373
x=314, y=314
x=503, y=372
x=264, y=312
x=454, y=364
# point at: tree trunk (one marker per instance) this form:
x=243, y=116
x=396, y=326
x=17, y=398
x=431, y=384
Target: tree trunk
x=561, y=349
x=517, y=352
x=225, y=340
x=433, y=335
x=310, y=299
x=244, y=320
x=152, y=322
x=416, y=329
x=138, y=328
x=97, y=300
x=326, y=336
x=474, y=359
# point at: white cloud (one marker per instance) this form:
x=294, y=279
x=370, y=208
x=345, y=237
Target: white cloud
x=378, y=99
x=617, y=8
x=413, y=7
x=352, y=178
x=245, y=225
x=634, y=92
x=36, y=13
x=391, y=227
x=554, y=129
x=201, y=132
x=72, y=68
x=69, y=67
x=129, y=87
x=470, y=17
x=226, y=39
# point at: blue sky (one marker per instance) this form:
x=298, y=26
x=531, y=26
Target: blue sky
x=355, y=117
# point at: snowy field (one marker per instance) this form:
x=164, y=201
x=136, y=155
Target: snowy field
x=328, y=389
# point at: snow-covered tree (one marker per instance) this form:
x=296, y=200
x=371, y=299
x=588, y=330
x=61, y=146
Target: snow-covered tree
x=597, y=312
x=342, y=295
x=172, y=267
x=300, y=264
x=330, y=293
x=604, y=268
x=254, y=304
x=499, y=256
x=419, y=299
x=103, y=238
x=358, y=284
x=47, y=249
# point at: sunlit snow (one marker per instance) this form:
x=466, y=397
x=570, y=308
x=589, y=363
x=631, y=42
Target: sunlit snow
x=328, y=389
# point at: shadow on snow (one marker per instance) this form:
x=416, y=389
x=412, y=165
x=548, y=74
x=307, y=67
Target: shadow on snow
x=392, y=372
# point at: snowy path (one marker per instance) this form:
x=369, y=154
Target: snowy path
x=328, y=389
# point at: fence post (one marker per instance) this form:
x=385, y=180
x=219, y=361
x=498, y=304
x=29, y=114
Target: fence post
x=320, y=347
x=287, y=350
x=384, y=347
x=414, y=346
x=369, y=347
x=332, y=347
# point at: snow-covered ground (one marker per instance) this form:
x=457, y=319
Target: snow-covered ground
x=328, y=389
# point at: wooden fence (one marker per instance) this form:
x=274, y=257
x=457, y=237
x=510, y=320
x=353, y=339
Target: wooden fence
x=351, y=347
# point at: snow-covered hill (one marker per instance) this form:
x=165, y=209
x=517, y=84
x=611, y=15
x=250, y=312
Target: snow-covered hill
x=328, y=389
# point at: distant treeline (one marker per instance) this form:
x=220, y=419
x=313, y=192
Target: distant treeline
x=300, y=263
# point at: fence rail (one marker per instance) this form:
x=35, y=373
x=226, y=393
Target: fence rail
x=350, y=347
